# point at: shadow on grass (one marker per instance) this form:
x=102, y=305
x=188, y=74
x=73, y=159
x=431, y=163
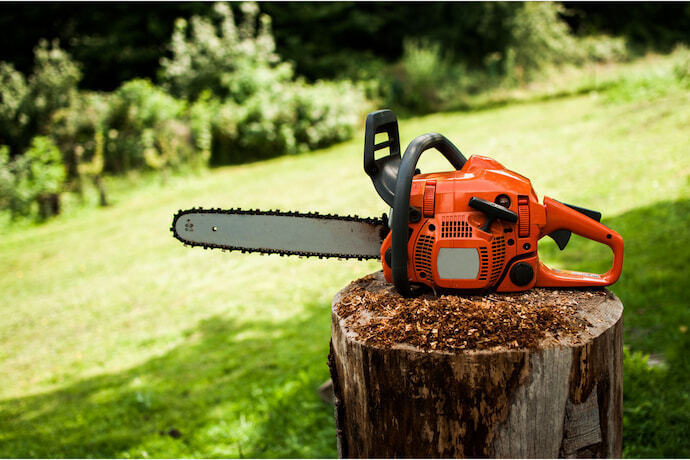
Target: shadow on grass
x=248, y=388
x=656, y=295
x=230, y=390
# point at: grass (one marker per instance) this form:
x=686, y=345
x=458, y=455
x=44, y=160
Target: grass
x=119, y=342
x=641, y=76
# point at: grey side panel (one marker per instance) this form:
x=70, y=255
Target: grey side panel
x=458, y=263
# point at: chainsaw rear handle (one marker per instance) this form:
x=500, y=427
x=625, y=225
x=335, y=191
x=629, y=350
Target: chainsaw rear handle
x=401, y=200
x=562, y=217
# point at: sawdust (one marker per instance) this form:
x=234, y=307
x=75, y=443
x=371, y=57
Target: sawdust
x=381, y=317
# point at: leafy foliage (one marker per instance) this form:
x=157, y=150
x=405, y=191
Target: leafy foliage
x=146, y=128
x=6, y=178
x=78, y=131
x=236, y=99
x=33, y=178
x=293, y=118
x=247, y=104
x=116, y=42
x=26, y=104
x=232, y=61
x=13, y=93
x=423, y=78
x=538, y=37
x=53, y=83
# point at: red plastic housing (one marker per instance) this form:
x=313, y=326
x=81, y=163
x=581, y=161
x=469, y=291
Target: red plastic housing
x=448, y=249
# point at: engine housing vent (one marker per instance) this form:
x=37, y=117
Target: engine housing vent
x=483, y=263
x=498, y=255
x=422, y=256
x=455, y=227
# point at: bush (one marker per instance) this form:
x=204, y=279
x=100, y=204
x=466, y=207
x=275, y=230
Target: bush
x=36, y=174
x=233, y=62
x=247, y=106
x=76, y=131
x=681, y=69
x=422, y=79
x=79, y=131
x=34, y=178
x=293, y=118
x=604, y=48
x=6, y=178
x=146, y=127
x=53, y=83
x=538, y=38
x=26, y=105
x=13, y=95
x=327, y=112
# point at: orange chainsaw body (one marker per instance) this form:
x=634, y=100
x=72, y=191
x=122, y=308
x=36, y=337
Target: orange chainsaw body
x=448, y=247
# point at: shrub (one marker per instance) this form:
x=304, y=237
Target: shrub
x=201, y=116
x=53, y=83
x=327, y=112
x=13, y=93
x=422, y=77
x=26, y=105
x=76, y=128
x=681, y=69
x=604, y=48
x=233, y=62
x=247, y=106
x=538, y=38
x=145, y=127
x=6, y=178
x=293, y=118
x=34, y=178
x=79, y=131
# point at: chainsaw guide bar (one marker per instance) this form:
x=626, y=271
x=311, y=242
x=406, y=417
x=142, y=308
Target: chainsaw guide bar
x=281, y=232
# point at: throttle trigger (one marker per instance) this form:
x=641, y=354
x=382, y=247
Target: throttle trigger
x=561, y=237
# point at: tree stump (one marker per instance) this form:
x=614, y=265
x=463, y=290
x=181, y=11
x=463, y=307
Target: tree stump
x=536, y=374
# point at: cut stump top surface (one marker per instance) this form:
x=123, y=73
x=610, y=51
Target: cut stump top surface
x=370, y=311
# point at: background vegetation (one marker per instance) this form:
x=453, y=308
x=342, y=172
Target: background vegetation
x=117, y=341
x=117, y=88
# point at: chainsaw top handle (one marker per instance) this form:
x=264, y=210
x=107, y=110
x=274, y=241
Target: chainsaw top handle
x=401, y=199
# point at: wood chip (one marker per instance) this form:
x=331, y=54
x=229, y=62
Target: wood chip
x=451, y=322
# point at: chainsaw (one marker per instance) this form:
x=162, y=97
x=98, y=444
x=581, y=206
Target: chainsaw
x=474, y=228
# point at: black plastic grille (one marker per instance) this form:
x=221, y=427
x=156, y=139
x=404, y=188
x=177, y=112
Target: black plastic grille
x=455, y=227
x=422, y=256
x=498, y=256
x=483, y=263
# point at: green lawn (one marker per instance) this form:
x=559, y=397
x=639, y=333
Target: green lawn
x=117, y=341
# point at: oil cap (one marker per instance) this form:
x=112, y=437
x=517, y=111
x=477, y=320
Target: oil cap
x=521, y=274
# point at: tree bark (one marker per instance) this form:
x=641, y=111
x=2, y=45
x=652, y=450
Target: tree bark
x=102, y=196
x=48, y=205
x=562, y=398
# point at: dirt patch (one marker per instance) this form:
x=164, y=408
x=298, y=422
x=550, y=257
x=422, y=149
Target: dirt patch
x=381, y=317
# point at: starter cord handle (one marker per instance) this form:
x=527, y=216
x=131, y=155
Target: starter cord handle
x=401, y=200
